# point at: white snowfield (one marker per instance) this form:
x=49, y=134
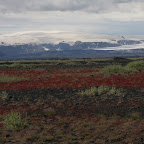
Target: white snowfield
x=54, y=37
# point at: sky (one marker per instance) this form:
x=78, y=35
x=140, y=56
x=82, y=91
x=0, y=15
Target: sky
x=110, y=17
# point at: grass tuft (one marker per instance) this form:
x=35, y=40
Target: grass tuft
x=7, y=78
x=48, y=138
x=115, y=91
x=88, y=92
x=101, y=90
x=13, y=121
x=4, y=96
x=113, y=69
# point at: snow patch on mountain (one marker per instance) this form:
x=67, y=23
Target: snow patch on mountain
x=46, y=49
x=123, y=47
x=58, y=49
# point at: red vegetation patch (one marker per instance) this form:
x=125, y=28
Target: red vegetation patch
x=67, y=78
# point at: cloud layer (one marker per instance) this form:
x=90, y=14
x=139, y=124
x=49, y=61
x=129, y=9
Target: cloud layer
x=97, y=6
x=118, y=17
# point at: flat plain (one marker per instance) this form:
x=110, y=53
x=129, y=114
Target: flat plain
x=77, y=101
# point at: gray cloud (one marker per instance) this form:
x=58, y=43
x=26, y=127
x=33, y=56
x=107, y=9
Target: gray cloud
x=88, y=16
x=97, y=6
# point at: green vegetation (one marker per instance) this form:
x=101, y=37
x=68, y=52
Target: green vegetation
x=48, y=138
x=58, y=62
x=135, y=116
x=88, y=92
x=7, y=78
x=4, y=95
x=68, y=138
x=115, y=91
x=113, y=69
x=130, y=67
x=14, y=121
x=101, y=90
x=50, y=112
x=68, y=62
x=109, y=90
x=84, y=124
x=136, y=65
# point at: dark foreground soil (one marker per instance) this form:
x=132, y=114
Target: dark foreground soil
x=61, y=116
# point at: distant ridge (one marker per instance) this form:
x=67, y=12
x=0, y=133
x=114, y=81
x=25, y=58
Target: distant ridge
x=38, y=45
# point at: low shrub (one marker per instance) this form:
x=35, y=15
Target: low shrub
x=136, y=65
x=14, y=121
x=4, y=96
x=129, y=69
x=113, y=69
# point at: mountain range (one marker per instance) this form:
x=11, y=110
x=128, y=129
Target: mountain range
x=42, y=45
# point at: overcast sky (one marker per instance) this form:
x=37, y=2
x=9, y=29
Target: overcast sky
x=113, y=17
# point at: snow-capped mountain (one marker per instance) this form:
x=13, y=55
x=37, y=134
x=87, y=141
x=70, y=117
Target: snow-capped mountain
x=40, y=37
x=69, y=45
